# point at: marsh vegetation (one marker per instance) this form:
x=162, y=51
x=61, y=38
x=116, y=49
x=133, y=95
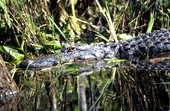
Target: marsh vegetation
x=29, y=29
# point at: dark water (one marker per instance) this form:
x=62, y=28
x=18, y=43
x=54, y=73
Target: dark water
x=105, y=85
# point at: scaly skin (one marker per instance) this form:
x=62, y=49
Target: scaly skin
x=142, y=45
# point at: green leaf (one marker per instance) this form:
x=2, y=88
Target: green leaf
x=71, y=67
x=115, y=60
x=2, y=50
x=56, y=44
x=14, y=53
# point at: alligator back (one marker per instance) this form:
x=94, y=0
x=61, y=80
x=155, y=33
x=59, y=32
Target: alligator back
x=145, y=44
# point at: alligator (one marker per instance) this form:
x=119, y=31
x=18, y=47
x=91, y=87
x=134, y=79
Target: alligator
x=143, y=45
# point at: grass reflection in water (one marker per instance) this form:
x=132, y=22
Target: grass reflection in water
x=72, y=87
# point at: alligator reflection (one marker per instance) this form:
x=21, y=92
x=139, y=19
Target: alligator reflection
x=139, y=84
x=108, y=85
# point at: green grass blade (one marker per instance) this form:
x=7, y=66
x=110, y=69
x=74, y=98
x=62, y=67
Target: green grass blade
x=59, y=30
x=151, y=22
x=101, y=95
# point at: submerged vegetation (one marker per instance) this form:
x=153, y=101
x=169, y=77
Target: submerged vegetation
x=32, y=28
